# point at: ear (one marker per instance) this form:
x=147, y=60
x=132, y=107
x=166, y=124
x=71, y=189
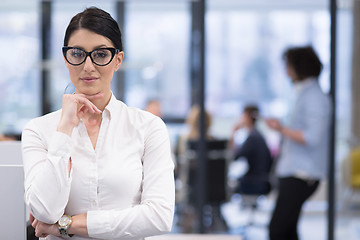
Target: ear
x=119, y=58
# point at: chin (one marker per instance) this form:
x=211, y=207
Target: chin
x=89, y=91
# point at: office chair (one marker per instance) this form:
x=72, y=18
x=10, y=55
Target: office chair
x=216, y=179
x=351, y=179
x=252, y=191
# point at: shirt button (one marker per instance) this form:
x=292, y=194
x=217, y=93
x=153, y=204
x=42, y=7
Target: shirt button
x=94, y=203
x=94, y=160
x=94, y=180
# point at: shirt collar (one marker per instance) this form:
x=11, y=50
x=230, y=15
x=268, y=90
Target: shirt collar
x=300, y=86
x=111, y=107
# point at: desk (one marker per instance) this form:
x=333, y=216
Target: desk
x=12, y=206
x=195, y=237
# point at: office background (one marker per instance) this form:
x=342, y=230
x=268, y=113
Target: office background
x=244, y=42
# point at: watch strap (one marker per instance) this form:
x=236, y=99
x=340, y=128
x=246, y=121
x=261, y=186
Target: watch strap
x=64, y=233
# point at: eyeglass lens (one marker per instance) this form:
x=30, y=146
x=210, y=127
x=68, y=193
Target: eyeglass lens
x=98, y=56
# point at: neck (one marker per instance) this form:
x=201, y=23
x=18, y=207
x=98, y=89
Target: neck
x=250, y=127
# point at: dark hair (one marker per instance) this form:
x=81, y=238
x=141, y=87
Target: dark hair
x=97, y=21
x=304, y=61
x=252, y=111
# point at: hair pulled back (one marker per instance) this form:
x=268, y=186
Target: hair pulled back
x=97, y=21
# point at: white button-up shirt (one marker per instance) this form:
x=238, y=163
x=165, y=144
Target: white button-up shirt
x=125, y=185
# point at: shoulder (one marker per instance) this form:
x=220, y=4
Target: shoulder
x=314, y=95
x=255, y=136
x=46, y=123
x=137, y=118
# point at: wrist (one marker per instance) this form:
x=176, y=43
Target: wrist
x=64, y=225
x=79, y=225
x=65, y=128
x=281, y=130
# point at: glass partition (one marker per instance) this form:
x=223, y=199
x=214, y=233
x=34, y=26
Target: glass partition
x=20, y=98
x=157, y=43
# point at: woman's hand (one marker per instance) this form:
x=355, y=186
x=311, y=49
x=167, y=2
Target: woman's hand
x=238, y=125
x=43, y=229
x=274, y=124
x=293, y=134
x=74, y=107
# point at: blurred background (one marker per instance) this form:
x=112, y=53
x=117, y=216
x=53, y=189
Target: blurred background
x=244, y=42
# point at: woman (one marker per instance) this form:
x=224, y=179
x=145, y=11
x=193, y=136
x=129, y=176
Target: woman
x=304, y=155
x=97, y=169
x=255, y=150
x=186, y=167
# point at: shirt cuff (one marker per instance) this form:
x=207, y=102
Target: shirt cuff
x=98, y=224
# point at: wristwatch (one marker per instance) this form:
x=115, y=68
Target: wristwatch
x=64, y=224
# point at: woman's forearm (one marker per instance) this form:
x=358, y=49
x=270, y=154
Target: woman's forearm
x=295, y=135
x=79, y=225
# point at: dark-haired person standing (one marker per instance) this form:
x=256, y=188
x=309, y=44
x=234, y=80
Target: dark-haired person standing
x=97, y=169
x=304, y=154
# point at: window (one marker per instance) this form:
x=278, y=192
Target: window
x=156, y=38
x=20, y=66
x=245, y=42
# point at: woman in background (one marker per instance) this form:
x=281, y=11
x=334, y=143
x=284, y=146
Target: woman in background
x=304, y=154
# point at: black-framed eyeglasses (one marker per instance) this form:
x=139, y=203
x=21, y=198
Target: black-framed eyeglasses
x=101, y=56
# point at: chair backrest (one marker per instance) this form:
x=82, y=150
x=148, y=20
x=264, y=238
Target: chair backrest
x=355, y=167
x=12, y=206
x=217, y=163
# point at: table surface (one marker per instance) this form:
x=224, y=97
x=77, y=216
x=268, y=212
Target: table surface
x=195, y=237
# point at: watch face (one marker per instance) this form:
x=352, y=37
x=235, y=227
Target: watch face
x=64, y=221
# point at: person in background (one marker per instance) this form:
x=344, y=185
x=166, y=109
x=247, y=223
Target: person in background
x=9, y=137
x=304, y=153
x=193, y=121
x=193, y=133
x=255, y=150
x=154, y=106
x=97, y=169
x=185, y=170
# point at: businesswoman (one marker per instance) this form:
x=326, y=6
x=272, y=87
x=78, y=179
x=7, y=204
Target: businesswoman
x=97, y=169
x=304, y=154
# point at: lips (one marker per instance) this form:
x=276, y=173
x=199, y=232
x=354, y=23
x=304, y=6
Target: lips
x=88, y=79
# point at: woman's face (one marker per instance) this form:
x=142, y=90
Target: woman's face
x=291, y=72
x=247, y=120
x=89, y=78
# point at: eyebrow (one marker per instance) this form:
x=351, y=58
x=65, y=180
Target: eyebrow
x=96, y=47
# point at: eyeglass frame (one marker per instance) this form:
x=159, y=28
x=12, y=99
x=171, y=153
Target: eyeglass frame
x=113, y=51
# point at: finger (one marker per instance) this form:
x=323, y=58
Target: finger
x=84, y=109
x=31, y=218
x=40, y=234
x=88, y=104
x=93, y=97
x=34, y=223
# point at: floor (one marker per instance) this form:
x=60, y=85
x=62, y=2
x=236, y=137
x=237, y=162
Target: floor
x=312, y=225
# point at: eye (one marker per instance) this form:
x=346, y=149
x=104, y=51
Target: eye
x=100, y=54
x=77, y=53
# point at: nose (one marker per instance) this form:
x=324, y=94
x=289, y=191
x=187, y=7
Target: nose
x=88, y=65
